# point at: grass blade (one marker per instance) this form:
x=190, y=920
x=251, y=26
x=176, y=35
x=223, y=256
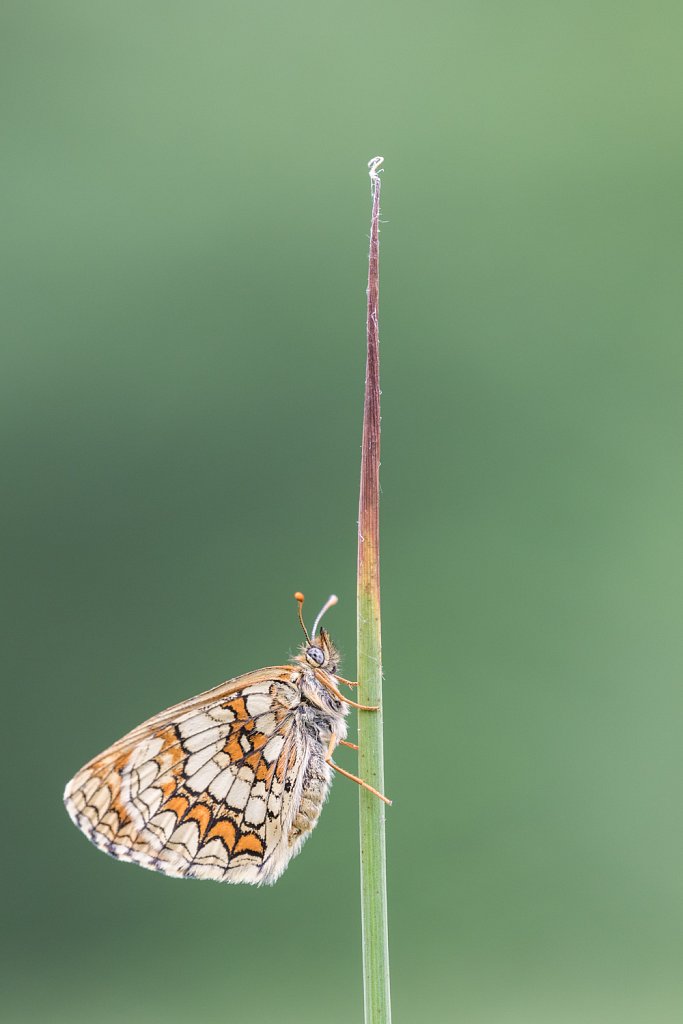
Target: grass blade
x=370, y=726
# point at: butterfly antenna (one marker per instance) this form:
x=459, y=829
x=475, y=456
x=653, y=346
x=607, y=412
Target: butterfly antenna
x=299, y=598
x=331, y=601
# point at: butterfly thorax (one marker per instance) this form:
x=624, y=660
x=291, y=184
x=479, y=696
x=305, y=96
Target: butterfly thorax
x=320, y=710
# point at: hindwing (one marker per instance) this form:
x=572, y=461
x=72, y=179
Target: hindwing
x=206, y=789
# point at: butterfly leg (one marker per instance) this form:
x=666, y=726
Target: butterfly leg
x=353, y=746
x=346, y=682
x=322, y=677
x=354, y=778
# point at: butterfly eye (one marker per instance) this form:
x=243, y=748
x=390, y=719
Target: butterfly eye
x=315, y=655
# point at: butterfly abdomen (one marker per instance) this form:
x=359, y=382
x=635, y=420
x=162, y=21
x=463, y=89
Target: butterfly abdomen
x=315, y=789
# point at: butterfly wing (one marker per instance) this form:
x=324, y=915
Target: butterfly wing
x=210, y=788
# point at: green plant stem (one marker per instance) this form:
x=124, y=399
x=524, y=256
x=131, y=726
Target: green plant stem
x=370, y=730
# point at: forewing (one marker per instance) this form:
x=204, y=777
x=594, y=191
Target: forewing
x=206, y=789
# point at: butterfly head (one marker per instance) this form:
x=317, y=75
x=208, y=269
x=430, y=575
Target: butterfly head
x=318, y=652
x=321, y=652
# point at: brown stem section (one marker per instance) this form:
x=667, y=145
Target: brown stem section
x=368, y=514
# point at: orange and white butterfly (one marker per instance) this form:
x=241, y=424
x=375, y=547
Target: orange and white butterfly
x=226, y=785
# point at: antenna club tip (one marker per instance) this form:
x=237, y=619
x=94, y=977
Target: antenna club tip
x=298, y=596
x=333, y=599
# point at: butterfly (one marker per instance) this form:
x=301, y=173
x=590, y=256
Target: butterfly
x=229, y=784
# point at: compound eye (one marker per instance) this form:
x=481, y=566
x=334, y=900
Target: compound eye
x=315, y=655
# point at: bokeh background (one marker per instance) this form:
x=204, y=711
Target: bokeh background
x=185, y=217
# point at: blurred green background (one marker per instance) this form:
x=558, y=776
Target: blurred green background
x=185, y=216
